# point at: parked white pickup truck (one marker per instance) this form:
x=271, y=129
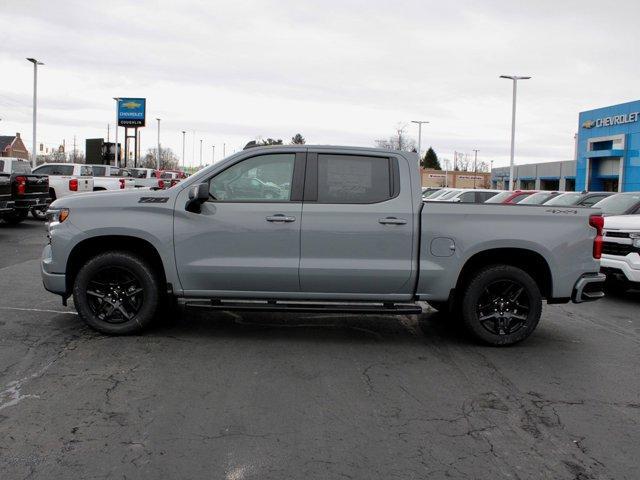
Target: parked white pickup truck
x=66, y=178
x=146, y=177
x=107, y=177
x=621, y=250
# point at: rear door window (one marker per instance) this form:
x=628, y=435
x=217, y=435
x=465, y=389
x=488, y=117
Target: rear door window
x=354, y=179
x=99, y=171
x=468, y=197
x=18, y=166
x=86, y=171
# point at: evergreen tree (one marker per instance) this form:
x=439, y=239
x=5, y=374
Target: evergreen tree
x=298, y=139
x=430, y=160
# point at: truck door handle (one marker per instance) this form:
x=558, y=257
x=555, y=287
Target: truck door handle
x=392, y=221
x=279, y=217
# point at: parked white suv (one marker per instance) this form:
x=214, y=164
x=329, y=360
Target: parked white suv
x=621, y=249
x=107, y=177
x=66, y=178
x=478, y=195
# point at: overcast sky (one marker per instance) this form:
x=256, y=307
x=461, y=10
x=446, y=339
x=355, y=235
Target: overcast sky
x=337, y=71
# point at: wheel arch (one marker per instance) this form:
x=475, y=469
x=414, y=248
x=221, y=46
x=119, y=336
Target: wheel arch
x=92, y=246
x=530, y=261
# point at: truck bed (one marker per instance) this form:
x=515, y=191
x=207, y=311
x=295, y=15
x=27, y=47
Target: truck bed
x=452, y=233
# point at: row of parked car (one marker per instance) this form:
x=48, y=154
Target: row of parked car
x=23, y=190
x=610, y=203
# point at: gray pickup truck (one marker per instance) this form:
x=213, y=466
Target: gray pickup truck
x=302, y=228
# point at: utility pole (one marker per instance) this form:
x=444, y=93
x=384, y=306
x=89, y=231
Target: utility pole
x=419, y=123
x=74, y=149
x=34, y=152
x=515, y=79
x=183, y=144
x=159, y=152
x=475, y=166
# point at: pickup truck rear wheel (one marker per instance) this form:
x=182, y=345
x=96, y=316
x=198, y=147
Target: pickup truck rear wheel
x=116, y=293
x=501, y=305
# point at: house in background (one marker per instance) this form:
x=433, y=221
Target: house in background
x=12, y=146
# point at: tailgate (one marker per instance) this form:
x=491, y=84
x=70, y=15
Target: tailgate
x=85, y=183
x=5, y=185
x=36, y=183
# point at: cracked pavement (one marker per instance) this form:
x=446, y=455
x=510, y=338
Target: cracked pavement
x=241, y=396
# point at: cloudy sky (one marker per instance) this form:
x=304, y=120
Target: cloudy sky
x=337, y=71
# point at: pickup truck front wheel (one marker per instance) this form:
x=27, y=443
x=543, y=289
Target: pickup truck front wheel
x=501, y=305
x=116, y=293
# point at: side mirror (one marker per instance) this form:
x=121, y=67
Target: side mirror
x=198, y=194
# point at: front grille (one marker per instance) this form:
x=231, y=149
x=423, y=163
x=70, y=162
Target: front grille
x=617, y=234
x=619, y=249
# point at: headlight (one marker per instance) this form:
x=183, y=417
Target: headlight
x=57, y=216
x=635, y=238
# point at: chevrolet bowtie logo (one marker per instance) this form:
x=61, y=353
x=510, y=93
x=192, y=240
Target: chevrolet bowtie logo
x=589, y=124
x=131, y=105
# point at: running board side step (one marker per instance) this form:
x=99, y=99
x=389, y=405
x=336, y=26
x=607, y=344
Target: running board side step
x=301, y=307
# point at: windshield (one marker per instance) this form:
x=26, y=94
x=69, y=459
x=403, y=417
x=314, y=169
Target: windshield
x=436, y=194
x=449, y=194
x=618, y=204
x=565, y=200
x=535, y=199
x=499, y=198
x=138, y=173
x=19, y=166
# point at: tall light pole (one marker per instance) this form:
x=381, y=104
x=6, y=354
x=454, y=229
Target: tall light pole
x=35, y=107
x=184, y=132
x=419, y=122
x=224, y=150
x=515, y=79
x=115, y=151
x=201, y=152
x=475, y=166
x=213, y=154
x=158, y=156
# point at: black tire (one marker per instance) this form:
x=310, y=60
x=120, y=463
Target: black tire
x=501, y=305
x=16, y=217
x=117, y=279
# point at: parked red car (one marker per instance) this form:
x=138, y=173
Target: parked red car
x=171, y=177
x=510, y=197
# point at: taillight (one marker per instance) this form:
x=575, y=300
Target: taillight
x=161, y=183
x=121, y=180
x=73, y=184
x=597, y=222
x=174, y=182
x=22, y=185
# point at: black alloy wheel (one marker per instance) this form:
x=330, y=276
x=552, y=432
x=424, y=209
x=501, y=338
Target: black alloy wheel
x=115, y=295
x=503, y=308
x=118, y=292
x=501, y=305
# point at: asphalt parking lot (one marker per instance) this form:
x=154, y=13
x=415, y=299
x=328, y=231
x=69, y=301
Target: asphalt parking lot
x=239, y=396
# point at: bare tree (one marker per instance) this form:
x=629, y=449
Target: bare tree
x=168, y=159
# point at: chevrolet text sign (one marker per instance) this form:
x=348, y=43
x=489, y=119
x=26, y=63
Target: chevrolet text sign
x=131, y=112
x=614, y=120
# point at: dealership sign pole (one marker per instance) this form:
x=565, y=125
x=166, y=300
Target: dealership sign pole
x=131, y=113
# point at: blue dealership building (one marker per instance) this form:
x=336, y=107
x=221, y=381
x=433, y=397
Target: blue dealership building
x=607, y=156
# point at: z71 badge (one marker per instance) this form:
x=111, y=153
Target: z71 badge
x=153, y=200
x=562, y=211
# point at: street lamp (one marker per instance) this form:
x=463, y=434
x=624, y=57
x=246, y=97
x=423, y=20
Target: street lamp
x=158, y=156
x=35, y=106
x=184, y=132
x=213, y=154
x=200, y=152
x=419, y=122
x=515, y=79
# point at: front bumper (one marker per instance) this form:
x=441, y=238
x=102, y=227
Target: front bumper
x=588, y=288
x=629, y=265
x=53, y=282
